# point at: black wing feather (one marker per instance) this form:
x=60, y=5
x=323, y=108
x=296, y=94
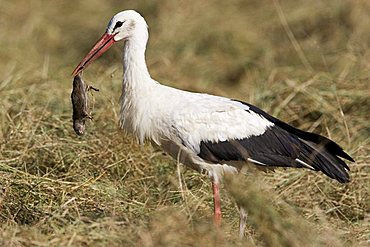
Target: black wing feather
x=281, y=145
x=329, y=145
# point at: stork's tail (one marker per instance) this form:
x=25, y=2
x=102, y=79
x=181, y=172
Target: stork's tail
x=321, y=159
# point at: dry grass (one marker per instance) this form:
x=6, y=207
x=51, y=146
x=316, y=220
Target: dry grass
x=305, y=62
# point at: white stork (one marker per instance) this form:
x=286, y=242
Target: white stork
x=211, y=134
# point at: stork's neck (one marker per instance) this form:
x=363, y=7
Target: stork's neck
x=136, y=73
x=137, y=86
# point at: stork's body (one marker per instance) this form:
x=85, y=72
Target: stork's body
x=210, y=134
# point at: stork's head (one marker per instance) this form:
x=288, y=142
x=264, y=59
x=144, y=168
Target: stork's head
x=123, y=26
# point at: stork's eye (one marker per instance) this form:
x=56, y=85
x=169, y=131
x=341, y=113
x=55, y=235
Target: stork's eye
x=118, y=24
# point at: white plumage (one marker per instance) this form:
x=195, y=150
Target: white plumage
x=215, y=119
x=207, y=133
x=173, y=118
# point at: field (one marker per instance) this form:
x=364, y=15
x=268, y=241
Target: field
x=305, y=62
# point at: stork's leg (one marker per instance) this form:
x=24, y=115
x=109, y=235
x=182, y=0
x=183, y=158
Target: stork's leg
x=217, y=202
x=242, y=220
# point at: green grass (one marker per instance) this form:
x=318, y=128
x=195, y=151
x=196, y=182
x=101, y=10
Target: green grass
x=304, y=62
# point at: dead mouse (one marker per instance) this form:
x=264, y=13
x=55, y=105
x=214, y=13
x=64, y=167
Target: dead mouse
x=80, y=104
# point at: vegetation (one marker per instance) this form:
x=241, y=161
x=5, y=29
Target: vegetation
x=306, y=62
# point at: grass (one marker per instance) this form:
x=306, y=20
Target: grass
x=304, y=62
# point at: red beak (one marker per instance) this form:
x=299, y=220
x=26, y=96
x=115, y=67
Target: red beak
x=101, y=46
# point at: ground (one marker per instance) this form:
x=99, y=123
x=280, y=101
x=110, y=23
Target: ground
x=305, y=62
